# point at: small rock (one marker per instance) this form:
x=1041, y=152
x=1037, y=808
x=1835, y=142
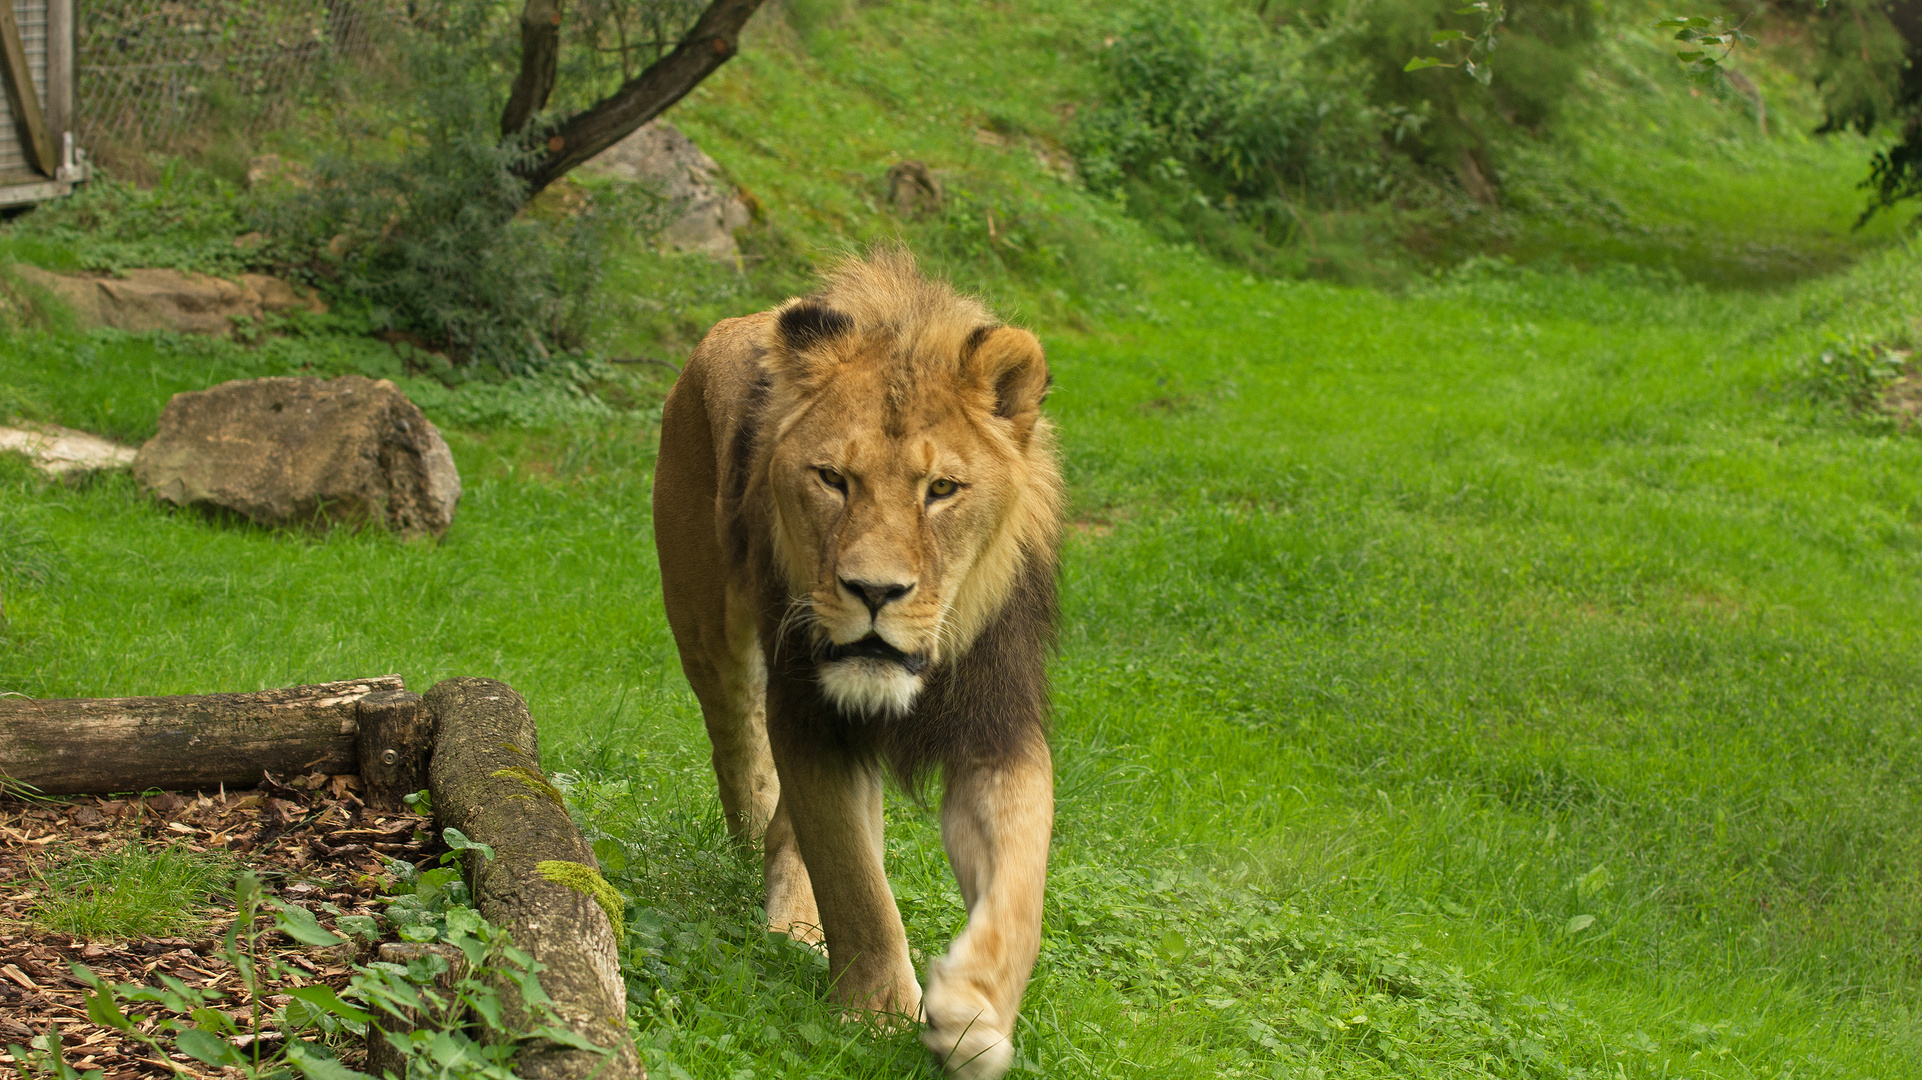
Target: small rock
x=704, y=209
x=272, y=169
x=914, y=191
x=59, y=451
x=298, y=451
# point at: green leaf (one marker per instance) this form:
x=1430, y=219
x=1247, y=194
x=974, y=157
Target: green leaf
x=607, y=852
x=1580, y=923
x=1440, y=36
x=459, y=842
x=103, y=1010
x=1594, y=881
x=365, y=925
x=323, y=997
x=207, y=1047
x=316, y=1064
x=213, y=1020
x=1421, y=62
x=299, y=923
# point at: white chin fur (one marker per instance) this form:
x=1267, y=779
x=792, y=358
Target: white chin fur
x=865, y=687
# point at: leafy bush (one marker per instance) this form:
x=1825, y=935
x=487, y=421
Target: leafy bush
x=433, y=240
x=1541, y=48
x=1217, y=110
x=1225, y=124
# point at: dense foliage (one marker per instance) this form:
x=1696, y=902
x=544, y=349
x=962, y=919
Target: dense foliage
x=1865, y=66
x=1247, y=113
x=1233, y=112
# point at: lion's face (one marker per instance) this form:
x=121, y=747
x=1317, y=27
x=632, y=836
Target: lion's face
x=904, y=489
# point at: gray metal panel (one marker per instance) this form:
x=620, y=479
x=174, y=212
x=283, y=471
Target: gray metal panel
x=32, y=17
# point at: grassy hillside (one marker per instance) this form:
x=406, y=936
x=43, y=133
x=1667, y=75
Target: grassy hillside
x=1510, y=670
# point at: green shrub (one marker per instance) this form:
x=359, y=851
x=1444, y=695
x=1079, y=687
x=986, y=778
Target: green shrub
x=1213, y=118
x=434, y=242
x=1541, y=50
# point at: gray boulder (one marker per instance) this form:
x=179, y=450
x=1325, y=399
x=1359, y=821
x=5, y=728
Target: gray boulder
x=704, y=209
x=300, y=451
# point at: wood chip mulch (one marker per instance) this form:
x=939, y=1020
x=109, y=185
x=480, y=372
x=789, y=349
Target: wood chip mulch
x=309, y=840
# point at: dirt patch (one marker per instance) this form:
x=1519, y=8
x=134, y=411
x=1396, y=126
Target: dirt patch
x=1903, y=399
x=310, y=841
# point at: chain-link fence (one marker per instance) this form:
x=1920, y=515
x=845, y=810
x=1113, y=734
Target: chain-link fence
x=146, y=71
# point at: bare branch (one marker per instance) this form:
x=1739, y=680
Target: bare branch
x=714, y=40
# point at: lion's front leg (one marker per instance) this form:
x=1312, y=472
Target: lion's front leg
x=832, y=804
x=996, y=819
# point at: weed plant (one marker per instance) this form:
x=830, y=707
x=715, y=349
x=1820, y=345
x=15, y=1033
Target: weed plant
x=433, y=1006
x=131, y=891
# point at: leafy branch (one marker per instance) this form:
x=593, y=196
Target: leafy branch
x=1470, y=52
x=1704, y=35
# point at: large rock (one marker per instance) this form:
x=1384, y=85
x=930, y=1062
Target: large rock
x=154, y=299
x=703, y=208
x=290, y=451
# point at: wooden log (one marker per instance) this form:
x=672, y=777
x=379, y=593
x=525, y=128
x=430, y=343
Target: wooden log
x=68, y=746
x=382, y=1056
x=396, y=737
x=487, y=782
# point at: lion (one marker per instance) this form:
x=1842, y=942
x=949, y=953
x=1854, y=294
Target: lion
x=857, y=509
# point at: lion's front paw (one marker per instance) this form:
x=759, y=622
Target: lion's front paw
x=963, y=1030
x=976, y=1054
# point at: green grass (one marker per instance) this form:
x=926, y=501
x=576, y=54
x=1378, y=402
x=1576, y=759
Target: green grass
x=1512, y=674
x=130, y=891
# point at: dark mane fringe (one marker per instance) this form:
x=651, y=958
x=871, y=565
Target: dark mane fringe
x=989, y=704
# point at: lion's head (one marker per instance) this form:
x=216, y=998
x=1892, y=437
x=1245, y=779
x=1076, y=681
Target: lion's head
x=912, y=476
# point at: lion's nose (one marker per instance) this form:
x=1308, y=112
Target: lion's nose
x=876, y=595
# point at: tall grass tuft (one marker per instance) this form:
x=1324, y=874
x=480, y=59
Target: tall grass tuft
x=131, y=891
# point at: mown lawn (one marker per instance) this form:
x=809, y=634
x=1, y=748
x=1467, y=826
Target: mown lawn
x=1512, y=674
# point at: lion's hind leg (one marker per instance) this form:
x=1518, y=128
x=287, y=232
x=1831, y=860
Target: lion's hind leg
x=996, y=819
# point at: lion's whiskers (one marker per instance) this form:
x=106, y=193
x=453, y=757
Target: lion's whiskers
x=800, y=614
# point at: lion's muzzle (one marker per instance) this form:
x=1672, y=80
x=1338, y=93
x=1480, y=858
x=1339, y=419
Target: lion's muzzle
x=874, y=647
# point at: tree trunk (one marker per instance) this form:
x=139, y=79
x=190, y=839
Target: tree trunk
x=711, y=43
x=487, y=782
x=540, y=61
x=132, y=744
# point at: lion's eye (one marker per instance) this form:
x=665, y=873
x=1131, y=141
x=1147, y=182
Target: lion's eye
x=833, y=479
x=942, y=488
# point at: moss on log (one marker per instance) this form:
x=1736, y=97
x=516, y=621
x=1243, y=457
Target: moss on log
x=487, y=782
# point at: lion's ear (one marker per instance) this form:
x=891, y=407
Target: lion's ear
x=1008, y=361
x=804, y=325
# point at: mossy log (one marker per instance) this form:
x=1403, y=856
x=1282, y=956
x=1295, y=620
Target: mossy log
x=542, y=884
x=72, y=745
